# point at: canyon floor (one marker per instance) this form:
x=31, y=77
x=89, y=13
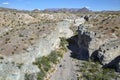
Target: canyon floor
x=65, y=70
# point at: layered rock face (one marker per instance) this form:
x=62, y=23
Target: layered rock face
x=14, y=67
x=98, y=45
x=27, y=36
x=84, y=39
x=109, y=53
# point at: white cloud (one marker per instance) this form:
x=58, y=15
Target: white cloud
x=5, y=3
x=87, y=7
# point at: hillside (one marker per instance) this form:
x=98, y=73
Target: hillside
x=40, y=45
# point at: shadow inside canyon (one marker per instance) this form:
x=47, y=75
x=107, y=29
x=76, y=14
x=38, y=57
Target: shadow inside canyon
x=76, y=52
x=113, y=64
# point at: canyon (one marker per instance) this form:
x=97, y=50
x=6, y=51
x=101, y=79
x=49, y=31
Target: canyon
x=27, y=36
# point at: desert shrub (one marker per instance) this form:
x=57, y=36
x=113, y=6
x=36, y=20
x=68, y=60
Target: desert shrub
x=45, y=62
x=7, y=33
x=41, y=75
x=20, y=35
x=93, y=71
x=19, y=65
x=27, y=76
x=13, y=52
x=1, y=57
x=60, y=53
x=31, y=39
x=53, y=57
x=63, y=43
x=7, y=39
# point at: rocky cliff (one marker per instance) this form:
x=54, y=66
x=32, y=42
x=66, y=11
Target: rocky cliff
x=25, y=36
x=15, y=66
x=84, y=39
x=98, y=45
x=109, y=54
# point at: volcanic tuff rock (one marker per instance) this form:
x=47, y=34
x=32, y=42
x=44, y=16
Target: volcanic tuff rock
x=84, y=39
x=89, y=40
x=92, y=38
x=98, y=45
x=43, y=46
x=25, y=37
x=109, y=53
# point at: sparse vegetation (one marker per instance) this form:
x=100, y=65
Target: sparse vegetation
x=19, y=65
x=20, y=30
x=1, y=57
x=93, y=71
x=13, y=52
x=20, y=35
x=63, y=43
x=45, y=63
x=27, y=76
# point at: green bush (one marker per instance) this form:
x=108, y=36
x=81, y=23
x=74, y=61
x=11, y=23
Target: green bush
x=63, y=43
x=27, y=76
x=53, y=57
x=41, y=75
x=93, y=71
x=45, y=63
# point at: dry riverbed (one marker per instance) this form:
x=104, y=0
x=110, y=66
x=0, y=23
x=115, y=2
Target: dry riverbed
x=65, y=70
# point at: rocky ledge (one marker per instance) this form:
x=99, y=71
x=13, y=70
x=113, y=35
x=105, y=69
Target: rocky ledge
x=15, y=66
x=109, y=54
x=100, y=46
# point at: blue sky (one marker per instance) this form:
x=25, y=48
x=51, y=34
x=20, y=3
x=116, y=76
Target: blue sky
x=43, y=4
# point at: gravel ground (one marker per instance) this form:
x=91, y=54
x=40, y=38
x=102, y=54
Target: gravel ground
x=65, y=70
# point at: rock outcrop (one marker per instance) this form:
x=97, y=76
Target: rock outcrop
x=25, y=36
x=98, y=45
x=15, y=66
x=109, y=53
x=84, y=39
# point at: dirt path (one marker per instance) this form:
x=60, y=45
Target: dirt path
x=65, y=69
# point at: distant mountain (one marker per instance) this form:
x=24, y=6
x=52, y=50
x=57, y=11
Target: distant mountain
x=72, y=10
x=13, y=10
x=36, y=10
x=84, y=9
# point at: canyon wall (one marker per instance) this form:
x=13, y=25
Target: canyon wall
x=14, y=67
x=96, y=45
